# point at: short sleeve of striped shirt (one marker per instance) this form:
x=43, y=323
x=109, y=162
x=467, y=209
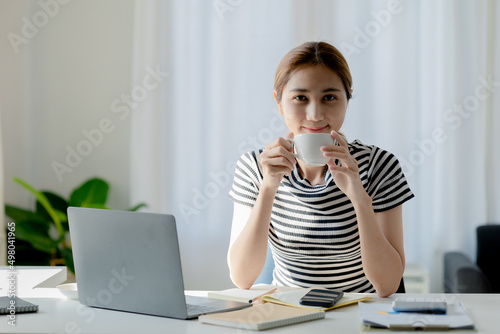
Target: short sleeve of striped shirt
x=387, y=185
x=247, y=179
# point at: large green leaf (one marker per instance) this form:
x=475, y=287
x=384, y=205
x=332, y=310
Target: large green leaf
x=20, y=214
x=36, y=233
x=63, y=218
x=92, y=192
x=25, y=228
x=43, y=244
x=56, y=201
x=45, y=203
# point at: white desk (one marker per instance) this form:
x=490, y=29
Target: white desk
x=60, y=315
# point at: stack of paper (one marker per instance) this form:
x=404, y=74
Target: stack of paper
x=377, y=315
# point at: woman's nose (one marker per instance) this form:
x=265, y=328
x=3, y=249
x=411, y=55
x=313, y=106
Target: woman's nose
x=314, y=112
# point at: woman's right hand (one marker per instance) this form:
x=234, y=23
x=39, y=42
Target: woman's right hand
x=277, y=161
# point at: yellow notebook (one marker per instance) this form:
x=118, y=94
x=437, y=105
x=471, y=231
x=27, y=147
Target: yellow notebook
x=262, y=317
x=291, y=298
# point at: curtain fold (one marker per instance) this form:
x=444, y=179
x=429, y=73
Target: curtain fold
x=425, y=88
x=146, y=143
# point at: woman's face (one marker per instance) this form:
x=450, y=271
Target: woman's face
x=313, y=101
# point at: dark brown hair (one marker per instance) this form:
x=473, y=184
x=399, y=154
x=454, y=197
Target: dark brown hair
x=312, y=54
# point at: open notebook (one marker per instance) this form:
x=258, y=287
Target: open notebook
x=244, y=295
x=283, y=295
x=292, y=297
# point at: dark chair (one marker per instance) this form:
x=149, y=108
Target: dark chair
x=266, y=276
x=401, y=288
x=461, y=275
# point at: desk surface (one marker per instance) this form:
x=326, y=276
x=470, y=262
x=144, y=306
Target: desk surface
x=57, y=314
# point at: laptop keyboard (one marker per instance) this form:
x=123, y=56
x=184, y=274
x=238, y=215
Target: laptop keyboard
x=200, y=309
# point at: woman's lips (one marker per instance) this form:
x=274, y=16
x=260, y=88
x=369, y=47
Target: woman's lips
x=315, y=129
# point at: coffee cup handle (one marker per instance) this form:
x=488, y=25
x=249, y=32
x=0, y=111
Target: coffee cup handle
x=295, y=155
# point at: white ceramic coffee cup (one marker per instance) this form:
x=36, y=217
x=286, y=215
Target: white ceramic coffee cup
x=308, y=147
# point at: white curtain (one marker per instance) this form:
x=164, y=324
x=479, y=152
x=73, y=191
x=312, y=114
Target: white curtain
x=426, y=83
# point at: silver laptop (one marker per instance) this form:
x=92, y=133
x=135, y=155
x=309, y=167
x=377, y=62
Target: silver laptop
x=130, y=261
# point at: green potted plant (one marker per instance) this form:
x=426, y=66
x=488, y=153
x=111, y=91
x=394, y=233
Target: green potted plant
x=42, y=235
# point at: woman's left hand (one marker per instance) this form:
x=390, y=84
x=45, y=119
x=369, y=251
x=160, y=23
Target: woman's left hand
x=346, y=175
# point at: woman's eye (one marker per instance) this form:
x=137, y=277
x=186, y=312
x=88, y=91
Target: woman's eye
x=329, y=98
x=300, y=98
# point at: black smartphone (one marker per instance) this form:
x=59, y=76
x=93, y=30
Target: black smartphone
x=321, y=297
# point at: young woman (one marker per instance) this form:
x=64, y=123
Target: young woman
x=338, y=226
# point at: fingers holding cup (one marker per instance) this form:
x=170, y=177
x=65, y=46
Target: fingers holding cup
x=340, y=158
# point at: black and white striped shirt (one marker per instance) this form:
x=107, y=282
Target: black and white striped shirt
x=313, y=233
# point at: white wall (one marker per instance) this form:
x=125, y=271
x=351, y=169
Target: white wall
x=61, y=82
